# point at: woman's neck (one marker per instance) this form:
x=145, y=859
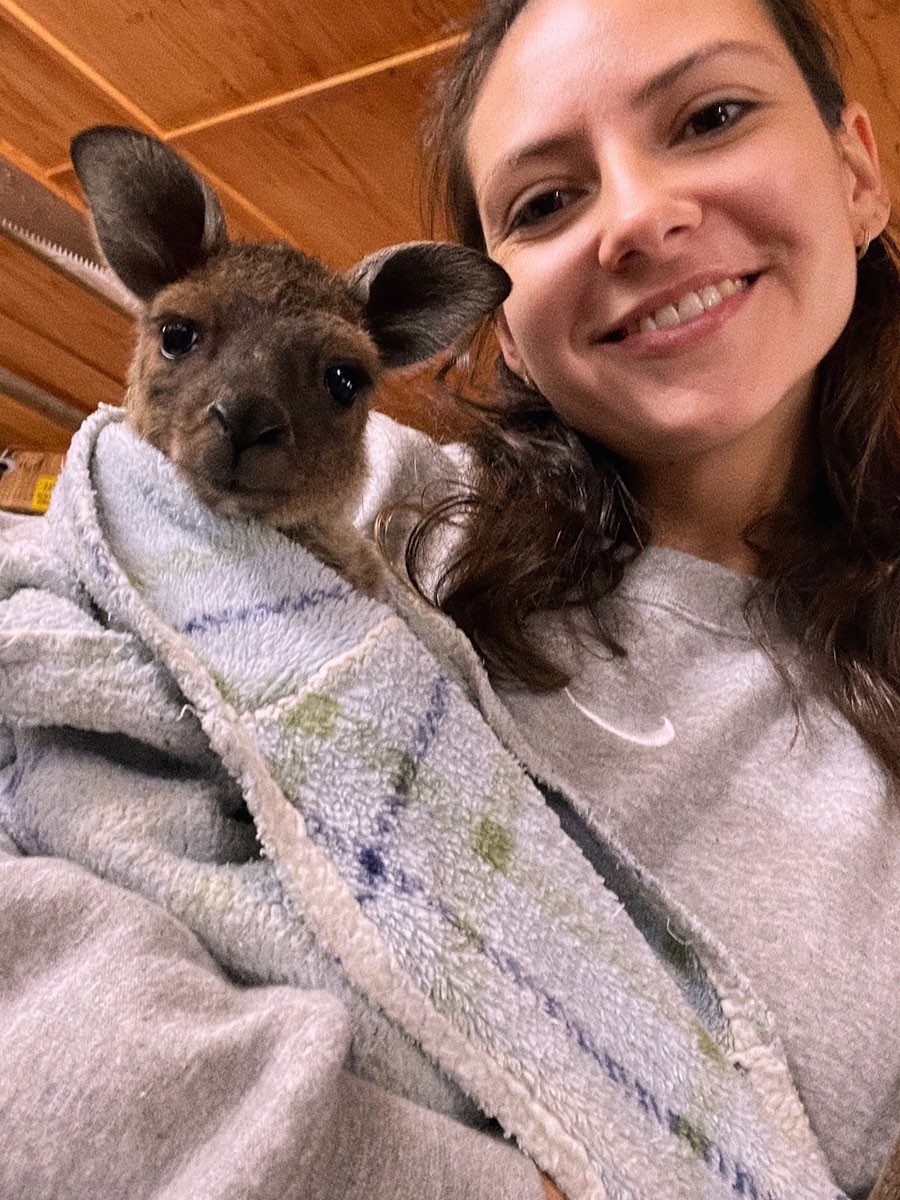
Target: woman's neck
x=704, y=504
x=704, y=521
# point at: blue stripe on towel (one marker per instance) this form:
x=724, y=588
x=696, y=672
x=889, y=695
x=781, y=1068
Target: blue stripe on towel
x=288, y=606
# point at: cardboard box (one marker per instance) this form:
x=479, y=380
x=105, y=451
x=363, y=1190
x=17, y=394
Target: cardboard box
x=27, y=478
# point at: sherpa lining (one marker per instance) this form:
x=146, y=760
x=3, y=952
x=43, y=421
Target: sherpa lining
x=406, y=835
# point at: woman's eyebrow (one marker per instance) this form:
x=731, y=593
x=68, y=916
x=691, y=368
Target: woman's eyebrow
x=670, y=75
x=537, y=150
x=666, y=78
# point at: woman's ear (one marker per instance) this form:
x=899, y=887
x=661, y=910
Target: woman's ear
x=508, y=347
x=868, y=196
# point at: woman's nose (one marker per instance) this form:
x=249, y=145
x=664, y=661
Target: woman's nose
x=645, y=210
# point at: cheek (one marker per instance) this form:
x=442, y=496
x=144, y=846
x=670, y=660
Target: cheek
x=549, y=293
x=167, y=405
x=797, y=198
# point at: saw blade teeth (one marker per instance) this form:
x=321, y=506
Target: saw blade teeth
x=77, y=266
x=40, y=243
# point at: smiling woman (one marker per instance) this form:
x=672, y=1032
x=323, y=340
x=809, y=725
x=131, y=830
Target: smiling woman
x=296, y=900
x=678, y=195
x=636, y=188
x=684, y=505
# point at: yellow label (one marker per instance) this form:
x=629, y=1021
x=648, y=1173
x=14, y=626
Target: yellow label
x=40, y=500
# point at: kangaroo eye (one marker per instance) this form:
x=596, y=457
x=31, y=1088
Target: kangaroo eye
x=345, y=381
x=177, y=338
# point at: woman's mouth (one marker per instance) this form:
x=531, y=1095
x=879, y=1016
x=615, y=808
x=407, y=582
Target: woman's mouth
x=687, y=308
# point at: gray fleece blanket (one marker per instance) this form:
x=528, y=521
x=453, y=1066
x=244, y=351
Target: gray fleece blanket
x=411, y=849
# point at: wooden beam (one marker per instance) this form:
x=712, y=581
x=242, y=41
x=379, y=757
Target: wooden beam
x=36, y=400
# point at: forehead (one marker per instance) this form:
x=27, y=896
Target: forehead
x=561, y=55
x=250, y=279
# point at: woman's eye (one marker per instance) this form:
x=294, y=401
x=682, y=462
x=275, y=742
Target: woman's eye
x=715, y=118
x=539, y=208
x=177, y=338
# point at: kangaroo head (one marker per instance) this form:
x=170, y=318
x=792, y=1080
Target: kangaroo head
x=254, y=363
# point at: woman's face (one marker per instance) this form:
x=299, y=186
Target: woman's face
x=678, y=223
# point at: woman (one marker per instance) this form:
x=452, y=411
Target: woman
x=138, y=1058
x=700, y=355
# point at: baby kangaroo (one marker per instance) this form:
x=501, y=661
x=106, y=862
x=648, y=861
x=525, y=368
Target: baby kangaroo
x=255, y=363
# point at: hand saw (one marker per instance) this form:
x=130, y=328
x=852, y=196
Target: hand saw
x=40, y=222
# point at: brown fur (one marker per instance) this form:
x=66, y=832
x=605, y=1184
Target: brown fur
x=248, y=412
x=273, y=321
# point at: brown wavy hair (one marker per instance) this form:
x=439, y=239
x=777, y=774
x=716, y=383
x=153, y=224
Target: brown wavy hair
x=549, y=521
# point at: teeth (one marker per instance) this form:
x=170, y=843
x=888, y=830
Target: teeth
x=667, y=317
x=689, y=306
x=710, y=296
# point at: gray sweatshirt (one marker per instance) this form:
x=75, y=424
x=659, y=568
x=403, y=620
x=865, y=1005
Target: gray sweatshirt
x=763, y=814
x=777, y=828
x=134, y=1066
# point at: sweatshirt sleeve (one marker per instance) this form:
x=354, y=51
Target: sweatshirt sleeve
x=134, y=1069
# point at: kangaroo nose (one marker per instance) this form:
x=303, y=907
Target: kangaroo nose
x=249, y=421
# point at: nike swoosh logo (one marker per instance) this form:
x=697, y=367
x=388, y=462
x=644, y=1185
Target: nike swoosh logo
x=655, y=737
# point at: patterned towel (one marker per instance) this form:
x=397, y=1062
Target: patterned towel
x=405, y=834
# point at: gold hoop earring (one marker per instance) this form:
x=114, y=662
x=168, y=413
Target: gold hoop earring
x=527, y=380
x=863, y=248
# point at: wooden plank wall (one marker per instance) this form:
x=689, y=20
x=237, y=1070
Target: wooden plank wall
x=302, y=113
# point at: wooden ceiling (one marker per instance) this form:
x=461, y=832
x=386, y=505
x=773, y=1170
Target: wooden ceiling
x=303, y=114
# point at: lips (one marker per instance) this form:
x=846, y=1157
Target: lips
x=680, y=309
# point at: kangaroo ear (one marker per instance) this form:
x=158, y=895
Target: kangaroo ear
x=155, y=218
x=419, y=297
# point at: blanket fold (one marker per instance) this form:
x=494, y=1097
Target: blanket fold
x=404, y=845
